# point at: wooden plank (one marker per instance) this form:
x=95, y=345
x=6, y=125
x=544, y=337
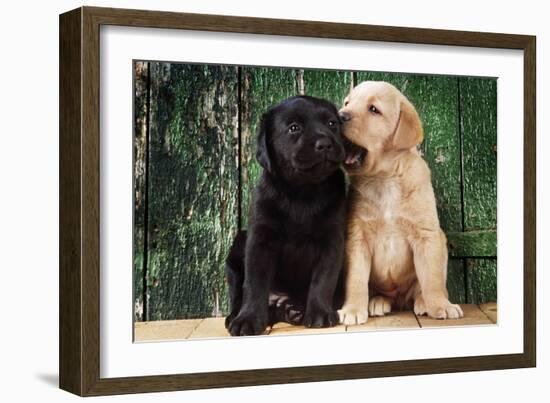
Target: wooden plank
x=490, y=309
x=478, y=123
x=436, y=100
x=286, y=329
x=141, y=107
x=261, y=88
x=473, y=243
x=72, y=364
x=395, y=320
x=399, y=80
x=193, y=174
x=214, y=327
x=472, y=316
x=331, y=85
x=164, y=329
x=456, y=281
x=481, y=275
x=209, y=328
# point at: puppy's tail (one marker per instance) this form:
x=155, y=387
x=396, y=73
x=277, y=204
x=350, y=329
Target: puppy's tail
x=234, y=272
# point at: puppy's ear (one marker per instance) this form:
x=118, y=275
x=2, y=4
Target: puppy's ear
x=409, y=130
x=263, y=155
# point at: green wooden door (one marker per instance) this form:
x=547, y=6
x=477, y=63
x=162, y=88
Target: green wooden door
x=195, y=169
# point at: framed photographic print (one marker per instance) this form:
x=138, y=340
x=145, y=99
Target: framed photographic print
x=250, y=201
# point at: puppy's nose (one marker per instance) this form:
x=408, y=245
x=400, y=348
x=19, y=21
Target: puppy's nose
x=323, y=144
x=344, y=116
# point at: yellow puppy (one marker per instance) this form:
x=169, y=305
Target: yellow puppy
x=396, y=250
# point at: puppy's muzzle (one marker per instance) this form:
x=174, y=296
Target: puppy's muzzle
x=323, y=145
x=344, y=116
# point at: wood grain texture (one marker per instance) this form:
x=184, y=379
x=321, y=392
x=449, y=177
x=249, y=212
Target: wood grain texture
x=214, y=327
x=472, y=316
x=490, y=309
x=141, y=131
x=395, y=320
x=209, y=328
x=193, y=182
x=473, y=243
x=162, y=330
x=70, y=253
x=481, y=277
x=284, y=329
x=456, y=281
x=79, y=367
x=331, y=85
x=530, y=200
x=478, y=123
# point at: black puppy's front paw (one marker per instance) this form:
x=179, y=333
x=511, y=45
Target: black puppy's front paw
x=247, y=324
x=320, y=317
x=229, y=318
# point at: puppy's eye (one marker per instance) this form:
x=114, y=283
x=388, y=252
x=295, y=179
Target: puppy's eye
x=331, y=123
x=294, y=128
x=346, y=103
x=374, y=109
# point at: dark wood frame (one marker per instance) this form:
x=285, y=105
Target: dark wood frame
x=79, y=200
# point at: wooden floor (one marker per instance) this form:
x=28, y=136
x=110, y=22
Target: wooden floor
x=485, y=314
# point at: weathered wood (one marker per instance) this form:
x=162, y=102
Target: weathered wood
x=331, y=85
x=214, y=327
x=193, y=177
x=141, y=108
x=399, y=80
x=280, y=329
x=208, y=328
x=473, y=243
x=456, y=281
x=490, y=309
x=395, y=320
x=261, y=88
x=481, y=275
x=436, y=100
x=165, y=329
x=72, y=373
x=478, y=124
x=473, y=315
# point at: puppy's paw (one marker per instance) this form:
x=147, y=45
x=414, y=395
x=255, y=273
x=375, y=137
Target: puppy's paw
x=439, y=308
x=353, y=315
x=247, y=324
x=287, y=311
x=294, y=314
x=419, y=306
x=320, y=317
x=229, y=318
x=379, y=305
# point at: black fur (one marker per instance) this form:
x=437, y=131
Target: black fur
x=295, y=240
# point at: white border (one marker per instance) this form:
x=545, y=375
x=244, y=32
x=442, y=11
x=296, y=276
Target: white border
x=120, y=357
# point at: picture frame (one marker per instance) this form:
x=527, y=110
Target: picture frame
x=79, y=295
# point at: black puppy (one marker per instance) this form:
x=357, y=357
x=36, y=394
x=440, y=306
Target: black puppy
x=287, y=266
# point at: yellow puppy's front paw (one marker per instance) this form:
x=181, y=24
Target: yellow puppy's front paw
x=419, y=306
x=440, y=308
x=379, y=306
x=353, y=315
